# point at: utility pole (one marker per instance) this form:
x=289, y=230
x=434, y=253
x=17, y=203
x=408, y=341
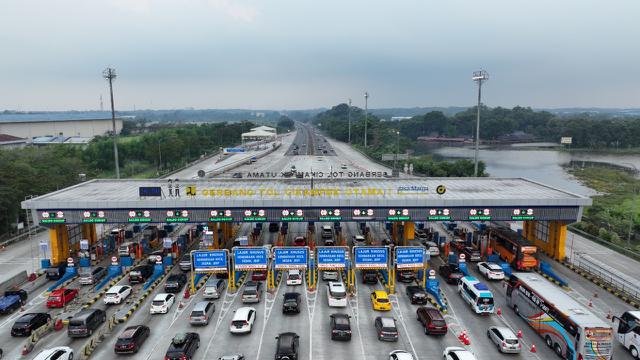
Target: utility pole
x=110, y=74
x=395, y=158
x=366, y=115
x=349, y=121
x=479, y=77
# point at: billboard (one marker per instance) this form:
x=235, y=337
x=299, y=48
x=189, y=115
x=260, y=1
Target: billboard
x=209, y=261
x=233, y=150
x=331, y=257
x=290, y=257
x=249, y=258
x=410, y=257
x=367, y=257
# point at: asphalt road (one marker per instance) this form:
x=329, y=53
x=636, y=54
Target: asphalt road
x=312, y=324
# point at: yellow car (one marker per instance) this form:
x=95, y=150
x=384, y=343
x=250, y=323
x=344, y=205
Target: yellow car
x=380, y=300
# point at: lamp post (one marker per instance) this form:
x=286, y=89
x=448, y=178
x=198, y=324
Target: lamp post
x=366, y=115
x=479, y=77
x=110, y=74
x=349, y=117
x=395, y=158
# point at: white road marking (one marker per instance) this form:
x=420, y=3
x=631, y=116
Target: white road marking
x=395, y=304
x=355, y=314
x=267, y=313
x=227, y=301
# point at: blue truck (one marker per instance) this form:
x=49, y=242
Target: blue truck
x=12, y=300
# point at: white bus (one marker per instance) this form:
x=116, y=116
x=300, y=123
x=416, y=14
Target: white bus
x=566, y=326
x=629, y=331
x=477, y=294
x=336, y=294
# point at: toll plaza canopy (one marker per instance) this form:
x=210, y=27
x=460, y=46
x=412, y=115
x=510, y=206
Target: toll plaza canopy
x=292, y=199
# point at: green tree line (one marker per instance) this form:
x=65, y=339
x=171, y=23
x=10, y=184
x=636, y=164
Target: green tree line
x=40, y=170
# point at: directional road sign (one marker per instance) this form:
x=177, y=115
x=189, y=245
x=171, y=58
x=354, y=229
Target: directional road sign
x=331, y=257
x=408, y=257
x=209, y=261
x=294, y=257
x=250, y=258
x=367, y=257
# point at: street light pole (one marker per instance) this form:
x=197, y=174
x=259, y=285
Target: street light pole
x=110, y=74
x=479, y=77
x=395, y=158
x=366, y=115
x=349, y=116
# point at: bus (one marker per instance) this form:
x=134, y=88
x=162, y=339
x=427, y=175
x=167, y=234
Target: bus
x=629, y=331
x=512, y=248
x=477, y=294
x=566, y=326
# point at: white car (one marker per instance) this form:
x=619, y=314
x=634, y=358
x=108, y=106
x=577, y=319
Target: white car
x=457, y=353
x=491, y=271
x=359, y=240
x=432, y=248
x=336, y=294
x=330, y=275
x=400, y=355
x=56, y=353
x=294, y=277
x=162, y=303
x=117, y=294
x=243, y=320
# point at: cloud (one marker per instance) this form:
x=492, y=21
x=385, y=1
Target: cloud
x=137, y=6
x=236, y=10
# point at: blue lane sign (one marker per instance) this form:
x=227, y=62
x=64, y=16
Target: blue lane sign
x=330, y=257
x=290, y=257
x=409, y=257
x=371, y=257
x=209, y=261
x=250, y=258
x=233, y=150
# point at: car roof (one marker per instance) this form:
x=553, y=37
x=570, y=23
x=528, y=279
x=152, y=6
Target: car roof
x=381, y=294
x=27, y=317
x=336, y=284
x=116, y=288
x=128, y=332
x=201, y=306
x=243, y=312
x=494, y=266
x=402, y=354
x=161, y=296
x=291, y=295
x=387, y=321
x=463, y=354
x=58, y=291
x=294, y=271
x=505, y=331
x=46, y=353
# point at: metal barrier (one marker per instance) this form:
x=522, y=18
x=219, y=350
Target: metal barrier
x=608, y=275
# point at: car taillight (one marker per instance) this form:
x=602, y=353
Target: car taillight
x=246, y=323
x=504, y=344
x=206, y=317
x=579, y=356
x=183, y=357
x=166, y=358
x=131, y=346
x=431, y=326
x=519, y=346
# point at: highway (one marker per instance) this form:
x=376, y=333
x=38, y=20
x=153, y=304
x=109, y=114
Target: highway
x=312, y=324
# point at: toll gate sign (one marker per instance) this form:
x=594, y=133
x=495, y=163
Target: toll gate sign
x=249, y=258
x=409, y=257
x=209, y=261
x=367, y=257
x=330, y=257
x=290, y=258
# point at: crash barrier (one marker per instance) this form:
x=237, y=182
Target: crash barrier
x=36, y=335
x=91, y=344
x=240, y=276
x=158, y=271
x=14, y=282
x=608, y=278
x=437, y=298
x=463, y=268
x=68, y=276
x=546, y=271
x=234, y=164
x=114, y=271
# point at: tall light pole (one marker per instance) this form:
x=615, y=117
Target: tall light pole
x=349, y=116
x=366, y=115
x=110, y=74
x=479, y=77
x=395, y=158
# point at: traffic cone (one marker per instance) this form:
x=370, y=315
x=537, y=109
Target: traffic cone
x=25, y=351
x=590, y=303
x=180, y=305
x=187, y=294
x=461, y=336
x=466, y=340
x=533, y=348
x=499, y=312
x=519, y=334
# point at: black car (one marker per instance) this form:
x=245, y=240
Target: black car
x=291, y=303
x=131, y=339
x=417, y=295
x=450, y=273
x=28, y=323
x=472, y=254
x=369, y=277
x=340, y=327
x=55, y=272
x=274, y=227
x=183, y=346
x=175, y=283
x=406, y=275
x=287, y=346
x=140, y=274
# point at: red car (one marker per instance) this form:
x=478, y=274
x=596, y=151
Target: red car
x=299, y=241
x=258, y=275
x=61, y=297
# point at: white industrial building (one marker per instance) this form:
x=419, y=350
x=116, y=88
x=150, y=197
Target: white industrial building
x=32, y=128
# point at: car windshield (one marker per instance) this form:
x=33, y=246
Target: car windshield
x=250, y=291
x=342, y=323
x=383, y=300
x=485, y=301
x=197, y=313
x=76, y=323
x=338, y=294
x=438, y=323
x=388, y=329
x=511, y=341
x=238, y=323
x=54, y=298
x=158, y=302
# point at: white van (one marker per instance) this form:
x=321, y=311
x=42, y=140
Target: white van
x=213, y=288
x=336, y=294
x=243, y=320
x=327, y=233
x=125, y=249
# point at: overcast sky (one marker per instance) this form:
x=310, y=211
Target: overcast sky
x=296, y=54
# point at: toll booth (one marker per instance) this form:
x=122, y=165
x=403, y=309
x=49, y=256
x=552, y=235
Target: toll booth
x=374, y=258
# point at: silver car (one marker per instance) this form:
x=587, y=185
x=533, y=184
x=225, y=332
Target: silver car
x=252, y=292
x=202, y=313
x=330, y=275
x=505, y=339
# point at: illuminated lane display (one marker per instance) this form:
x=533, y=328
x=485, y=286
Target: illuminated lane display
x=330, y=215
x=220, y=215
x=439, y=214
x=174, y=216
x=480, y=214
x=92, y=217
x=254, y=215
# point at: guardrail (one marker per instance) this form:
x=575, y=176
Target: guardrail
x=610, y=278
x=624, y=251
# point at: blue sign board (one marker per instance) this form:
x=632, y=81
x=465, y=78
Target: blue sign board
x=150, y=191
x=233, y=150
x=331, y=257
x=290, y=257
x=409, y=257
x=250, y=258
x=209, y=261
x=367, y=257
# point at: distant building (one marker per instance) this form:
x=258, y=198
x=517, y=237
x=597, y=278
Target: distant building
x=31, y=127
x=11, y=142
x=441, y=140
x=264, y=128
